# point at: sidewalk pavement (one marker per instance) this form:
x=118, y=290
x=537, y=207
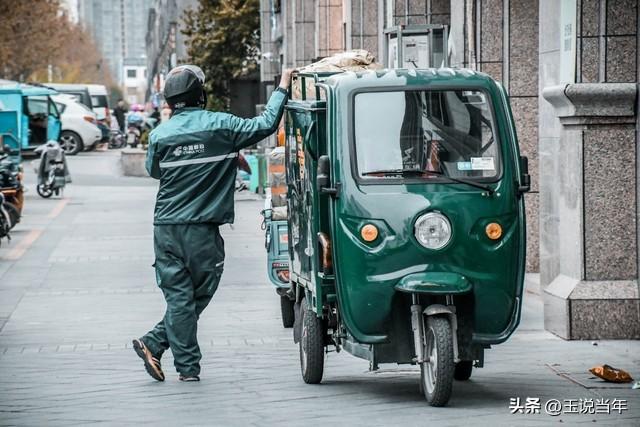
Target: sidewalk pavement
x=76, y=285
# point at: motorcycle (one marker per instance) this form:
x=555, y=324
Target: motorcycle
x=53, y=173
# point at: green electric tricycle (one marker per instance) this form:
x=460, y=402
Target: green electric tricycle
x=406, y=220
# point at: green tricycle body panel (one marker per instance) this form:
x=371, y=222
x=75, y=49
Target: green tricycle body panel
x=371, y=280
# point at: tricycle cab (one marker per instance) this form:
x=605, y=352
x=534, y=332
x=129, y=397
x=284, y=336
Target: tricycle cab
x=405, y=192
x=28, y=116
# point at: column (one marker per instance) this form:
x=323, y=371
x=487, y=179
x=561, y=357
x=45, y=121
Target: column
x=589, y=262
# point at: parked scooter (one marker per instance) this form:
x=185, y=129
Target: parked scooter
x=135, y=124
x=53, y=173
x=11, y=186
x=5, y=220
x=117, y=139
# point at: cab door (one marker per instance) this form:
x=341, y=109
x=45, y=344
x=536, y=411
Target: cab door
x=53, y=123
x=298, y=189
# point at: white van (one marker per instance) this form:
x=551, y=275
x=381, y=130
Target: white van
x=100, y=101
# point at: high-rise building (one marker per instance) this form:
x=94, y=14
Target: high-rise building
x=165, y=42
x=118, y=28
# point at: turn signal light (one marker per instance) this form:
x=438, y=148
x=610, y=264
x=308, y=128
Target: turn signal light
x=493, y=230
x=369, y=233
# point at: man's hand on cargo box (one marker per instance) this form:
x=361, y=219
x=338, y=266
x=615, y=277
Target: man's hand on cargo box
x=285, y=80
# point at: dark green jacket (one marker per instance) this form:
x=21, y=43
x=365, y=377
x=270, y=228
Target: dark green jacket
x=194, y=155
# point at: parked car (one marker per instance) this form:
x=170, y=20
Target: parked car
x=79, y=125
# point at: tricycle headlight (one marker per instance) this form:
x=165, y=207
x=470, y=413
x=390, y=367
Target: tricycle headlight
x=433, y=230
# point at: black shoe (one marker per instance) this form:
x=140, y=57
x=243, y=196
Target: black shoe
x=189, y=378
x=151, y=363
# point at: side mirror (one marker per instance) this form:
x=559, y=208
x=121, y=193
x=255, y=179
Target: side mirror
x=323, y=177
x=525, y=178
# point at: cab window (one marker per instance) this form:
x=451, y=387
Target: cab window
x=425, y=135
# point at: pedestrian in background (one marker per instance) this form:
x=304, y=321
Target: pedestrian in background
x=195, y=156
x=155, y=115
x=120, y=111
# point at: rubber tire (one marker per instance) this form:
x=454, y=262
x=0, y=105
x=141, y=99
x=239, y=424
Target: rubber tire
x=286, y=309
x=311, y=346
x=14, y=215
x=440, y=328
x=463, y=369
x=42, y=193
x=79, y=144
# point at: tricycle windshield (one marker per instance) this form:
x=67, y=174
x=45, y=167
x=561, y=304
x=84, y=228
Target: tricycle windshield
x=425, y=135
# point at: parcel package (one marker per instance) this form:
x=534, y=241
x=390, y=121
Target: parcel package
x=353, y=60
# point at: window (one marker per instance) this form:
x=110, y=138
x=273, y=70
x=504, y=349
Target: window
x=131, y=73
x=425, y=135
x=53, y=109
x=99, y=101
x=37, y=105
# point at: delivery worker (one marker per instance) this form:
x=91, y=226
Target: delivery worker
x=194, y=155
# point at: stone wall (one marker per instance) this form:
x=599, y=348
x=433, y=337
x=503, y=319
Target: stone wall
x=364, y=27
x=304, y=27
x=506, y=35
x=269, y=46
x=330, y=26
x=420, y=12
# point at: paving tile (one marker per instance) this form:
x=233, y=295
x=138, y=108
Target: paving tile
x=65, y=356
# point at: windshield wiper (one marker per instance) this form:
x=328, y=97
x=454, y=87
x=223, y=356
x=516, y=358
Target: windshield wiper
x=416, y=172
x=463, y=181
x=395, y=172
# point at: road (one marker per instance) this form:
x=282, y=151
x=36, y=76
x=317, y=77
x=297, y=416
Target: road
x=76, y=285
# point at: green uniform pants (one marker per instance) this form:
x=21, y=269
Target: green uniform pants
x=189, y=263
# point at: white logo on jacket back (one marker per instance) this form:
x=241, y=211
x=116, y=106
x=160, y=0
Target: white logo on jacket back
x=181, y=150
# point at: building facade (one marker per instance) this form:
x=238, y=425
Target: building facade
x=134, y=80
x=118, y=28
x=164, y=41
x=571, y=69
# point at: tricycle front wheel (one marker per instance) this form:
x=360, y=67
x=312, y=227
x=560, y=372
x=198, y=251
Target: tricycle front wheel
x=311, y=346
x=436, y=373
x=286, y=309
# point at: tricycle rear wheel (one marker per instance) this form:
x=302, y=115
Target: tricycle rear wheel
x=44, y=191
x=311, y=346
x=463, y=370
x=286, y=309
x=436, y=373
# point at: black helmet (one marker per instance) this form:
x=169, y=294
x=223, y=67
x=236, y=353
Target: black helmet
x=184, y=87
